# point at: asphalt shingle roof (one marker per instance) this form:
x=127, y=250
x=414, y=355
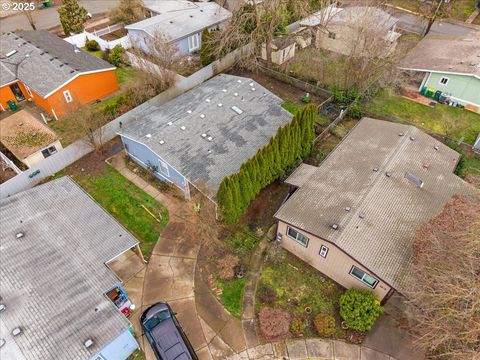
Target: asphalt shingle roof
x=384, y=210
x=53, y=279
x=180, y=23
x=43, y=61
x=235, y=137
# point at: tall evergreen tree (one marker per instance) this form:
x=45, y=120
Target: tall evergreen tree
x=72, y=17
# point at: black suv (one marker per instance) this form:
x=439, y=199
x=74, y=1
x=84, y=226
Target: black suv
x=165, y=334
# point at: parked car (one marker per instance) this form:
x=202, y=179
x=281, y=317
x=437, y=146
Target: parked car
x=165, y=335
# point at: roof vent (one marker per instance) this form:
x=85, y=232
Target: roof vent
x=19, y=235
x=2, y=307
x=414, y=179
x=191, y=16
x=10, y=53
x=375, y=169
x=204, y=135
x=236, y=94
x=334, y=226
x=239, y=81
x=253, y=89
x=436, y=147
x=237, y=110
x=171, y=21
x=148, y=136
x=88, y=343
x=251, y=84
x=77, y=50
x=208, y=100
x=361, y=215
x=17, y=331
x=161, y=142
x=209, y=138
x=348, y=208
x=388, y=174
x=182, y=127
x=189, y=111
x=412, y=138
x=224, y=90
x=169, y=123
x=401, y=134
x=202, y=116
x=220, y=104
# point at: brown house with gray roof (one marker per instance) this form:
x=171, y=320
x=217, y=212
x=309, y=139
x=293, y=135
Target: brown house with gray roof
x=354, y=217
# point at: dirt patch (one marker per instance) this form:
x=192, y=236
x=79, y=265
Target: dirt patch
x=114, y=35
x=6, y=174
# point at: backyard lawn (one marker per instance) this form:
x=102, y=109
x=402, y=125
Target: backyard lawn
x=124, y=201
x=442, y=119
x=458, y=9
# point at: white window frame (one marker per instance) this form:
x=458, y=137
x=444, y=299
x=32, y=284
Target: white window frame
x=163, y=168
x=68, y=96
x=29, y=92
x=296, y=238
x=444, y=83
x=99, y=357
x=323, y=251
x=194, y=42
x=362, y=278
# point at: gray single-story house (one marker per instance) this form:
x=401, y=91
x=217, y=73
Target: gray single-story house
x=180, y=27
x=451, y=65
x=55, y=285
x=205, y=134
x=354, y=217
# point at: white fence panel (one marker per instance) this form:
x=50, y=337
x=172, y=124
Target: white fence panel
x=78, y=40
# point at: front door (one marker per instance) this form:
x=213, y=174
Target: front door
x=17, y=92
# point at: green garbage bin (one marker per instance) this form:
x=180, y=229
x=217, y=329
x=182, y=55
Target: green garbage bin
x=424, y=89
x=437, y=95
x=12, y=105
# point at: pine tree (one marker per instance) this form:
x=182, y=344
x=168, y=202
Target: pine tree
x=224, y=198
x=72, y=17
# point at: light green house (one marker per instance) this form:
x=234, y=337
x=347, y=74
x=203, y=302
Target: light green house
x=451, y=65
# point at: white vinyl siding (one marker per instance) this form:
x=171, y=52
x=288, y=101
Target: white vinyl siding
x=295, y=235
x=363, y=277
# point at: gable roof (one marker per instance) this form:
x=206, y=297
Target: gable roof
x=23, y=135
x=384, y=211
x=43, y=61
x=446, y=53
x=53, y=279
x=235, y=137
x=180, y=23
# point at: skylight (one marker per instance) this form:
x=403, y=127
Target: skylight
x=237, y=110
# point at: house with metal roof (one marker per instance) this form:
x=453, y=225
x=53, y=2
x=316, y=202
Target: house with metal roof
x=354, y=217
x=451, y=67
x=56, y=75
x=58, y=297
x=205, y=134
x=179, y=23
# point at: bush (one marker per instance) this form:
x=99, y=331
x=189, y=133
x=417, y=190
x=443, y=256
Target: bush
x=305, y=98
x=296, y=326
x=226, y=267
x=460, y=168
x=360, y=309
x=116, y=55
x=92, y=45
x=325, y=325
x=266, y=294
x=273, y=322
x=355, y=111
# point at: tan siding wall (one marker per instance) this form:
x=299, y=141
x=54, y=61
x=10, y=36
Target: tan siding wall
x=336, y=265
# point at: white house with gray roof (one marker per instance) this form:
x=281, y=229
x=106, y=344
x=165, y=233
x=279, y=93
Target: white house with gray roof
x=205, y=134
x=55, y=246
x=180, y=23
x=354, y=217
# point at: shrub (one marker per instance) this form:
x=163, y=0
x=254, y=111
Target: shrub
x=460, y=168
x=296, y=326
x=355, y=111
x=116, y=55
x=325, y=325
x=273, y=322
x=206, y=50
x=92, y=45
x=360, y=309
x=226, y=267
x=306, y=98
x=266, y=294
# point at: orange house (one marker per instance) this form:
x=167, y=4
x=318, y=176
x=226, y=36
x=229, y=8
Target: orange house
x=53, y=73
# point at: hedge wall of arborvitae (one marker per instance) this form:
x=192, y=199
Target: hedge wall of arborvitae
x=291, y=144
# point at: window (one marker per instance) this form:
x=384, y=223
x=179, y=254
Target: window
x=323, y=251
x=99, y=357
x=28, y=91
x=332, y=35
x=68, y=96
x=295, y=235
x=164, y=168
x=194, y=42
x=444, y=80
x=49, y=151
x=363, y=277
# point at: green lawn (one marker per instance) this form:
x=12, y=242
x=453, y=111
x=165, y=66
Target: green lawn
x=124, y=201
x=454, y=122
x=124, y=74
x=232, y=295
x=457, y=9
x=97, y=53
x=242, y=243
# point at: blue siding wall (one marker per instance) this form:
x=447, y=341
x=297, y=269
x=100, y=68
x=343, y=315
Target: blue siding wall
x=137, y=39
x=142, y=155
x=119, y=348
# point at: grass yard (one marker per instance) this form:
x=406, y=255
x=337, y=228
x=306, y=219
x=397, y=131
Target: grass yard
x=124, y=201
x=457, y=9
x=298, y=286
x=242, y=243
x=442, y=119
x=294, y=108
x=232, y=295
x=97, y=53
x=124, y=74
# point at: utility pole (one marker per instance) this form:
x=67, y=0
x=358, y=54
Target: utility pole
x=431, y=19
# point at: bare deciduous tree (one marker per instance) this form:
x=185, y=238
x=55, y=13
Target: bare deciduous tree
x=444, y=287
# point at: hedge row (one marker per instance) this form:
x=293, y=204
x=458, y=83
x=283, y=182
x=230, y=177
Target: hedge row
x=291, y=144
